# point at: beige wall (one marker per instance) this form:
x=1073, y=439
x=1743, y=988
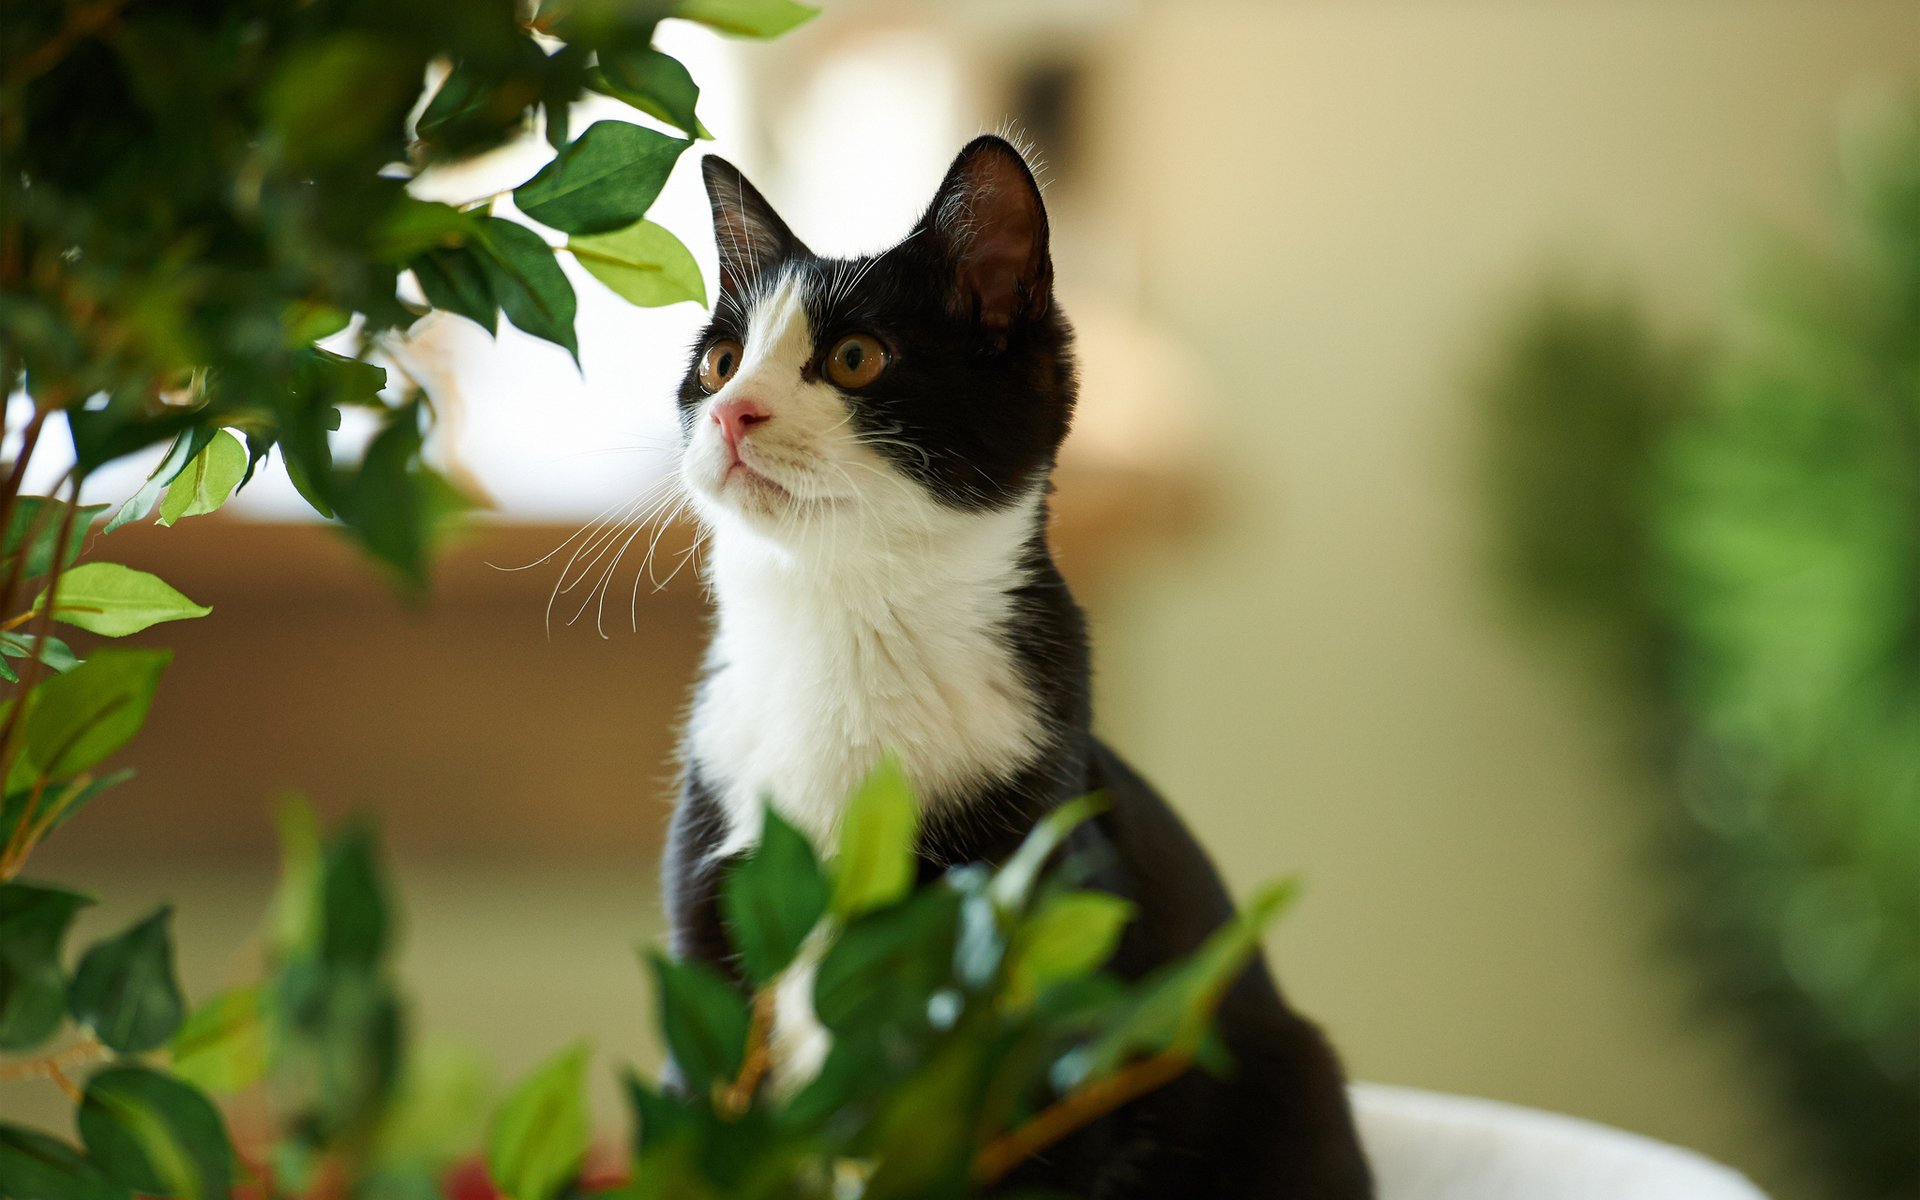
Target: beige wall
x=1334, y=202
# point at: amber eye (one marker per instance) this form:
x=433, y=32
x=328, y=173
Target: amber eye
x=718, y=364
x=856, y=360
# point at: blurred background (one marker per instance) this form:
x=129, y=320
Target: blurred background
x=1306, y=245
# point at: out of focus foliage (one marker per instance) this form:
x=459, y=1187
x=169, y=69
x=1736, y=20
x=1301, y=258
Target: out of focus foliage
x=971, y=1027
x=1734, y=537
x=195, y=194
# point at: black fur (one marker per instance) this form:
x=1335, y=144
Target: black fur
x=980, y=389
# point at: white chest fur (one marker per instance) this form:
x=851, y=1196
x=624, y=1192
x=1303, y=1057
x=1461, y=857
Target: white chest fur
x=820, y=666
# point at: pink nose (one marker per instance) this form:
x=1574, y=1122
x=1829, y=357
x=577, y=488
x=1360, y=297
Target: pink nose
x=735, y=417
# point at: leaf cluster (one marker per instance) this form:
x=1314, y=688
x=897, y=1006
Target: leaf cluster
x=198, y=196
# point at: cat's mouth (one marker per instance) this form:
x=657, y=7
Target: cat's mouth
x=753, y=483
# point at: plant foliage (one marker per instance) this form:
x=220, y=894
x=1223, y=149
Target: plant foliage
x=1735, y=535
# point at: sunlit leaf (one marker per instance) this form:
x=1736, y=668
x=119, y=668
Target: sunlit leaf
x=222, y=1046
x=125, y=988
x=56, y=654
x=207, y=481
x=75, y=720
x=114, y=600
x=875, y=864
x=539, y=1135
x=1173, y=1006
x=1070, y=935
x=138, y=506
x=747, y=18
x=643, y=264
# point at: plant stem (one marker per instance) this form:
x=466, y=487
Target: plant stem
x=753, y=1068
x=31, y=669
x=1076, y=1109
x=53, y=1066
x=81, y=23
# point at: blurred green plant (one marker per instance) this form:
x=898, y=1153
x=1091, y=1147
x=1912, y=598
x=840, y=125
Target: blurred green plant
x=1732, y=536
x=971, y=1028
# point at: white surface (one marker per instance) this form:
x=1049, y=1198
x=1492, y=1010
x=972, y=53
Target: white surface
x=1427, y=1146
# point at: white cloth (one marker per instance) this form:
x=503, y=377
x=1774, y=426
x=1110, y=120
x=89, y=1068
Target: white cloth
x=1427, y=1146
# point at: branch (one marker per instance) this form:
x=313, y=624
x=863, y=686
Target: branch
x=739, y=1094
x=53, y=1066
x=81, y=23
x=1079, y=1108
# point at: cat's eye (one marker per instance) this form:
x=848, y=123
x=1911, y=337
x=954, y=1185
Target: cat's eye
x=855, y=360
x=718, y=364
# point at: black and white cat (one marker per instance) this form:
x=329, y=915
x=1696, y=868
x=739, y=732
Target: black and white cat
x=870, y=442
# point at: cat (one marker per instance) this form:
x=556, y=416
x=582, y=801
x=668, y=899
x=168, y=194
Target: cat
x=869, y=443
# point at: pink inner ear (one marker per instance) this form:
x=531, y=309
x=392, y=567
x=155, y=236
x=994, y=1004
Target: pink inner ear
x=995, y=225
x=997, y=263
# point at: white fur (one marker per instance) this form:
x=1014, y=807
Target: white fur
x=857, y=617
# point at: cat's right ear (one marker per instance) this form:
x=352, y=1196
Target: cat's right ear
x=751, y=237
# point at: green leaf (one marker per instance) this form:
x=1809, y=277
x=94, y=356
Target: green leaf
x=33, y=526
x=187, y=444
x=207, y=481
x=222, y=1047
x=653, y=82
x=1174, y=1006
x=643, y=264
x=75, y=720
x=155, y=1134
x=705, y=1020
x=455, y=280
x=1070, y=935
x=57, y=803
x=747, y=18
x=125, y=987
x=539, y=1135
x=604, y=180
x=773, y=898
x=532, y=289
x=55, y=653
x=37, y=1167
x=1013, y=882
x=33, y=991
x=657, y=1117
x=398, y=506
x=114, y=601
x=875, y=863
x=884, y=967
x=354, y=925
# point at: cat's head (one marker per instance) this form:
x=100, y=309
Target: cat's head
x=835, y=399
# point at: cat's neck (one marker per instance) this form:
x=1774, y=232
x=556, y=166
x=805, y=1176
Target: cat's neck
x=824, y=659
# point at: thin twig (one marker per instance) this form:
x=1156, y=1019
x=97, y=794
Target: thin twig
x=81, y=23
x=1076, y=1109
x=53, y=1066
x=753, y=1068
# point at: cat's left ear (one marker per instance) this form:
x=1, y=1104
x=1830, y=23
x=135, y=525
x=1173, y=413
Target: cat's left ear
x=989, y=228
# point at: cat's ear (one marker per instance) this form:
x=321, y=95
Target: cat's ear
x=989, y=228
x=751, y=237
